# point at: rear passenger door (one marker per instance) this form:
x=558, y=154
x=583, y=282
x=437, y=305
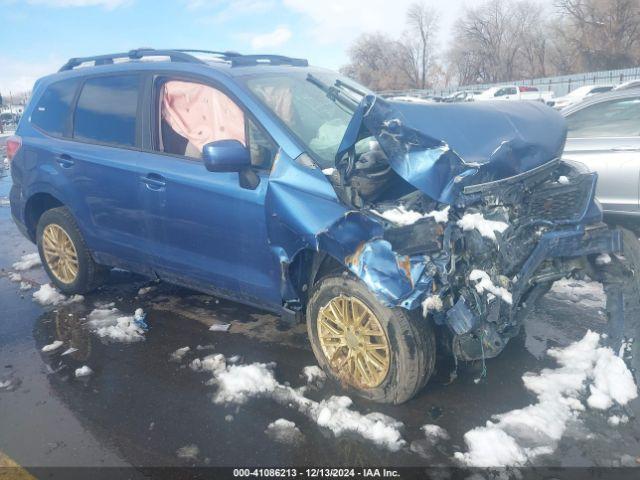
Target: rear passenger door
x=101, y=162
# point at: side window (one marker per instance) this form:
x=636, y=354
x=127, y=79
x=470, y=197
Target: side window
x=615, y=118
x=193, y=114
x=263, y=149
x=52, y=110
x=107, y=110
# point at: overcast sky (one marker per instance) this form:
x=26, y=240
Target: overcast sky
x=38, y=36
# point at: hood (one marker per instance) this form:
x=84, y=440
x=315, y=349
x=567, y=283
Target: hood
x=442, y=148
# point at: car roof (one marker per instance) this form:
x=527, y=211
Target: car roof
x=601, y=97
x=201, y=61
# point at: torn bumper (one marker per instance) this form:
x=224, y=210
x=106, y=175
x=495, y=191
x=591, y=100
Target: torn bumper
x=566, y=244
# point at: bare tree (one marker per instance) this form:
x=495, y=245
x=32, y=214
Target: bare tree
x=375, y=60
x=489, y=40
x=605, y=33
x=420, y=43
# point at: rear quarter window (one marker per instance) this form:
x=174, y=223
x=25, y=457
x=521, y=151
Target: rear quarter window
x=107, y=110
x=51, y=113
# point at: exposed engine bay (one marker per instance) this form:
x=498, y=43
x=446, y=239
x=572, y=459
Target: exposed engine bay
x=477, y=251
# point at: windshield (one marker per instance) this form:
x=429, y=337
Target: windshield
x=301, y=102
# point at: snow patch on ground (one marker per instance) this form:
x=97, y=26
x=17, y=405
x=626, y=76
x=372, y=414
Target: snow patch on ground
x=211, y=363
x=563, y=180
x=52, y=346
x=48, y=295
x=69, y=351
x=15, y=277
x=83, y=371
x=27, y=262
x=238, y=383
x=516, y=437
x=485, y=284
x=328, y=171
x=603, y=259
x=487, y=228
x=284, y=431
x=25, y=286
x=314, y=374
x=335, y=414
x=587, y=294
x=145, y=290
x=435, y=432
x=401, y=216
x=220, y=327
x=190, y=452
x=112, y=324
x=179, y=354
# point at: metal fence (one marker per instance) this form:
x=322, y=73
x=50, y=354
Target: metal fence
x=560, y=85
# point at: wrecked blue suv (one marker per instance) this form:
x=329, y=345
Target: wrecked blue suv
x=258, y=178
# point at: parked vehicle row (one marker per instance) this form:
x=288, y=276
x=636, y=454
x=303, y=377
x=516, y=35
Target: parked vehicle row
x=514, y=92
x=521, y=92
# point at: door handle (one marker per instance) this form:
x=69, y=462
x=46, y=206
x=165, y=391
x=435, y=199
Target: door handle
x=153, y=181
x=64, y=160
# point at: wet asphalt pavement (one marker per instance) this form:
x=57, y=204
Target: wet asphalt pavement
x=139, y=408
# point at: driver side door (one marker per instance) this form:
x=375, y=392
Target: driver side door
x=208, y=232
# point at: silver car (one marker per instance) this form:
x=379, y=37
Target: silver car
x=604, y=134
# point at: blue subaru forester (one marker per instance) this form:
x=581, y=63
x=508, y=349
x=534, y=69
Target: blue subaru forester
x=258, y=178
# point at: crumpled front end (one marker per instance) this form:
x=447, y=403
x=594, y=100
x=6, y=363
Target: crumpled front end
x=471, y=244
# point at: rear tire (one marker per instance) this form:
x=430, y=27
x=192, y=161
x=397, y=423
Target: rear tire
x=409, y=358
x=64, y=253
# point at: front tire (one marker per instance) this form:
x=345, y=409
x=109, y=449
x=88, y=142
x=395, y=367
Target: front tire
x=64, y=253
x=382, y=354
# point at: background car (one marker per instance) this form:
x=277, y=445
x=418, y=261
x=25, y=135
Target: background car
x=627, y=85
x=604, y=134
x=461, y=96
x=578, y=95
x=514, y=92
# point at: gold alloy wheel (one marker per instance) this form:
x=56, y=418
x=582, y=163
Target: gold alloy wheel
x=60, y=253
x=354, y=342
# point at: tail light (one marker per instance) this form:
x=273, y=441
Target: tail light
x=13, y=145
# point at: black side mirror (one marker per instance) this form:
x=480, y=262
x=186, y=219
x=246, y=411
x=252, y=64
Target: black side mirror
x=226, y=156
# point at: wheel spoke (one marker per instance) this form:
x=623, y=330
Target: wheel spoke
x=374, y=359
x=325, y=321
x=363, y=370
